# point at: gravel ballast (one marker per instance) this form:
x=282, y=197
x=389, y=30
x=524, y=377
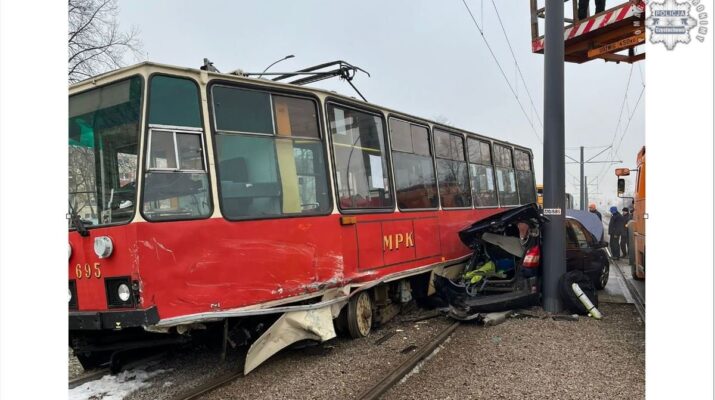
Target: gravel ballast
x=340, y=368
x=538, y=359
x=527, y=358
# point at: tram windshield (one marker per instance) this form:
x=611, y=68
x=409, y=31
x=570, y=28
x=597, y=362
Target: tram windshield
x=104, y=128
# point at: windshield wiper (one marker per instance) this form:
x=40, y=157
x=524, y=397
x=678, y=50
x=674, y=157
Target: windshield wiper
x=77, y=221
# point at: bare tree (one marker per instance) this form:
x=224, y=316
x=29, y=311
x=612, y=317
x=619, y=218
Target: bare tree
x=96, y=43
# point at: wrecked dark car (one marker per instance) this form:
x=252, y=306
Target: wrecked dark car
x=503, y=272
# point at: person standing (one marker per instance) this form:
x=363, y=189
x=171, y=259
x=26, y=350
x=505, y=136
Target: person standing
x=583, y=7
x=615, y=228
x=592, y=208
x=624, y=234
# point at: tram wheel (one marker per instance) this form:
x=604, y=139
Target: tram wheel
x=359, y=315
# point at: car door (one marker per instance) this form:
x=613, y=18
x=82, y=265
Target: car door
x=591, y=261
x=574, y=258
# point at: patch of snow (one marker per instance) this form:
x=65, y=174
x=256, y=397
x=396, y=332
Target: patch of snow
x=114, y=387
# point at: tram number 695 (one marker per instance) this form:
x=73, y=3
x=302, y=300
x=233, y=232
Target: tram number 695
x=87, y=271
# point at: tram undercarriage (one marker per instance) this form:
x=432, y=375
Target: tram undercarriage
x=350, y=311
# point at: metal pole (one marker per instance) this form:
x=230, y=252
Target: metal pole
x=583, y=192
x=585, y=179
x=554, y=181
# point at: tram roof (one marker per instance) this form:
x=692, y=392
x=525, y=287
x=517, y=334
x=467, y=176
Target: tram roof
x=148, y=67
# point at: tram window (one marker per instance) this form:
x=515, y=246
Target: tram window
x=524, y=177
x=175, y=195
x=104, y=126
x=521, y=159
x=502, y=157
x=279, y=174
x=176, y=184
x=506, y=178
x=400, y=136
x=481, y=173
x=506, y=184
x=360, y=159
x=479, y=152
x=162, y=153
x=415, y=182
x=452, y=173
x=242, y=110
x=420, y=140
x=295, y=117
x=174, y=101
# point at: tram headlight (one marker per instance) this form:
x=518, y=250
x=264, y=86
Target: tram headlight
x=103, y=246
x=69, y=250
x=69, y=295
x=123, y=292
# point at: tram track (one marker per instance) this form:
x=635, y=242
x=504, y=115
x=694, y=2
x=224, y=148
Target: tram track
x=210, y=385
x=87, y=377
x=408, y=365
x=375, y=391
x=99, y=373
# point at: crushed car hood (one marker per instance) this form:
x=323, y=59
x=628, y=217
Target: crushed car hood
x=500, y=220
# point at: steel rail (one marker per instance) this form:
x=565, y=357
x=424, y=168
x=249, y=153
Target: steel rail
x=209, y=386
x=408, y=365
x=87, y=377
x=99, y=373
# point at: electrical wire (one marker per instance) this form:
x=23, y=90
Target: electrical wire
x=611, y=153
x=625, y=130
x=517, y=63
x=479, y=28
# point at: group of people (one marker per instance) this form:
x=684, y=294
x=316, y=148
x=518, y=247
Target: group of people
x=618, y=232
x=617, y=229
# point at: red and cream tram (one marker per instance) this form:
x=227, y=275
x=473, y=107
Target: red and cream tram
x=200, y=198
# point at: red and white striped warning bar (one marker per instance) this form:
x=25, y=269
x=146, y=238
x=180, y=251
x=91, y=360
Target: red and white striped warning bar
x=612, y=16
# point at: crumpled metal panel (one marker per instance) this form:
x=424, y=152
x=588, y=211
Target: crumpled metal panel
x=290, y=328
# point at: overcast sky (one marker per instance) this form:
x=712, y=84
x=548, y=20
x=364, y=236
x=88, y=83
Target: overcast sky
x=425, y=58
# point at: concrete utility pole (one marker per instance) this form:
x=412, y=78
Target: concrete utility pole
x=554, y=152
x=583, y=192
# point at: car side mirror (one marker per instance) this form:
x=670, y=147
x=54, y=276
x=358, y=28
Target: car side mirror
x=621, y=186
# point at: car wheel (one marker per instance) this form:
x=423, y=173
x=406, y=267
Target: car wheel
x=603, y=278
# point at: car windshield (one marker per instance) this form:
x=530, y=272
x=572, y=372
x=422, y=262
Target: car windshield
x=103, y=143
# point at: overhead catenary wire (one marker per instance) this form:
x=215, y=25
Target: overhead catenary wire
x=618, y=123
x=630, y=118
x=511, y=50
x=506, y=79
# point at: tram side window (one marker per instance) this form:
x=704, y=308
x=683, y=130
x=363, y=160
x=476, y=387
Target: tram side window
x=270, y=156
x=360, y=159
x=506, y=180
x=482, y=173
x=176, y=184
x=524, y=177
x=415, y=183
x=452, y=172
